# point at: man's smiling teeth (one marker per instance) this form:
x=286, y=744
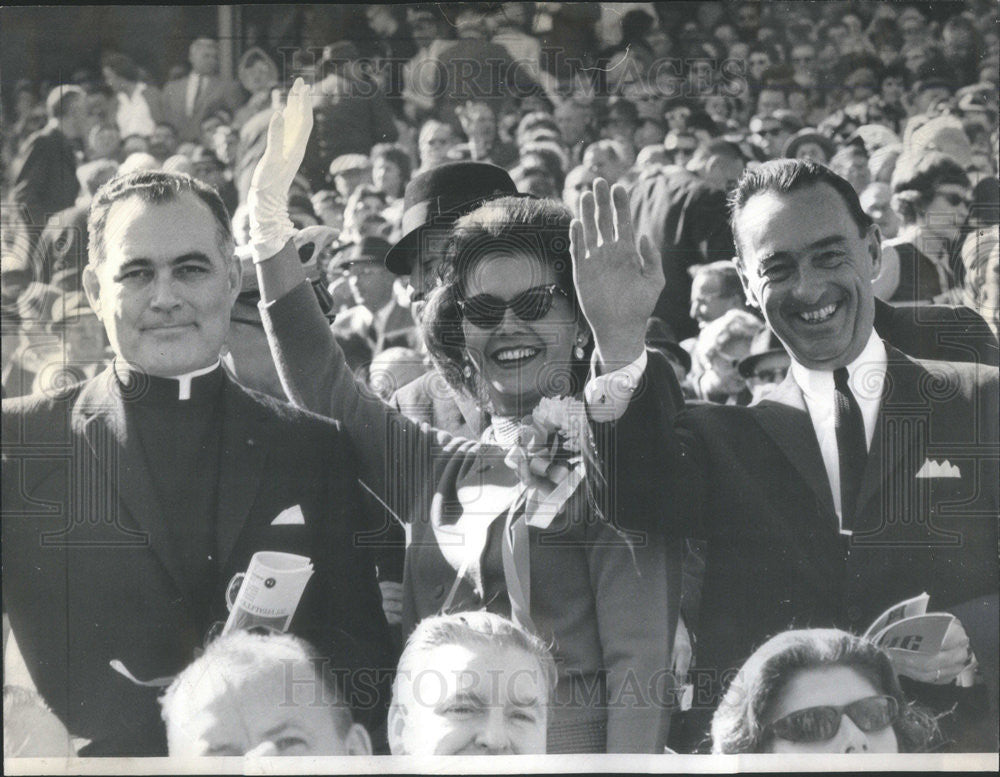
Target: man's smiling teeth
x=815, y=316
x=514, y=354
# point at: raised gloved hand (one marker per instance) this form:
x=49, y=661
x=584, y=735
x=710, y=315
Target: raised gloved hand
x=287, y=135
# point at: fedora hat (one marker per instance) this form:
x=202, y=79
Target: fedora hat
x=808, y=135
x=763, y=345
x=437, y=199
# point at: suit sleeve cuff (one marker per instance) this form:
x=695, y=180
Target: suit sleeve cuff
x=607, y=396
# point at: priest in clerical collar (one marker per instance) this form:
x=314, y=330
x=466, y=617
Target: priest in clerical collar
x=163, y=477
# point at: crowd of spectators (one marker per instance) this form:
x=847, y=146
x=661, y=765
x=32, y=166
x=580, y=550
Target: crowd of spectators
x=673, y=100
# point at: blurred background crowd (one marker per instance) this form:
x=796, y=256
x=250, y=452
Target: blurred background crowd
x=674, y=99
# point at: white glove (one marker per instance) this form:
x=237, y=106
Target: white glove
x=287, y=135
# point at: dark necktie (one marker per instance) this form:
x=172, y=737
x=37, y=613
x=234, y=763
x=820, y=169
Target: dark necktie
x=852, y=448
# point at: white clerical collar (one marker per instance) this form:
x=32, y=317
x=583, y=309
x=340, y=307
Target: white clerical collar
x=865, y=374
x=184, y=381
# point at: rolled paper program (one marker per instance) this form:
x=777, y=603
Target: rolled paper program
x=270, y=592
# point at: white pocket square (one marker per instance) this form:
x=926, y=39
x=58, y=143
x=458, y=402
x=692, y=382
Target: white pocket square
x=938, y=469
x=290, y=516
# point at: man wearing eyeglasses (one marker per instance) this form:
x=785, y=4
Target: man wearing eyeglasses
x=769, y=134
x=865, y=478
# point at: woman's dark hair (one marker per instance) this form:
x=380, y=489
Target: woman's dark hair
x=507, y=225
x=121, y=65
x=916, y=178
x=740, y=722
x=394, y=153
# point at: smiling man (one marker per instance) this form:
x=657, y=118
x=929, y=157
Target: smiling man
x=822, y=503
x=161, y=478
x=471, y=683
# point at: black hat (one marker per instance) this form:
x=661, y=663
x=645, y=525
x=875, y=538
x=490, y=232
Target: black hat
x=438, y=198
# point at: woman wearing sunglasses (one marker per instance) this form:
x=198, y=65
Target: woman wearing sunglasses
x=509, y=325
x=932, y=195
x=819, y=691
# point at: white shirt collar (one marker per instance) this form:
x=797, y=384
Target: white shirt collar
x=865, y=374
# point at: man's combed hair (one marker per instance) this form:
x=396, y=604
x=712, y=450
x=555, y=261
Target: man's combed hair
x=789, y=175
x=157, y=187
x=722, y=271
x=475, y=629
x=242, y=657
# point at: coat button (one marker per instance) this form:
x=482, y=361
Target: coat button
x=438, y=591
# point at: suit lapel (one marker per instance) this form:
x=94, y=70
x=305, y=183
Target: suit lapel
x=101, y=412
x=242, y=466
x=784, y=417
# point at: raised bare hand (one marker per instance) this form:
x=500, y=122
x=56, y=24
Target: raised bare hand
x=617, y=282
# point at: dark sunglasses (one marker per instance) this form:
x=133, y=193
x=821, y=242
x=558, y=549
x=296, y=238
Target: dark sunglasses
x=486, y=311
x=820, y=724
x=773, y=131
x=956, y=199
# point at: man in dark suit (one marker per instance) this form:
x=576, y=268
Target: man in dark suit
x=351, y=113
x=61, y=252
x=189, y=100
x=684, y=213
x=45, y=173
x=865, y=478
x=133, y=499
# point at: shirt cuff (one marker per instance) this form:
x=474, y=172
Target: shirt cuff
x=607, y=396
